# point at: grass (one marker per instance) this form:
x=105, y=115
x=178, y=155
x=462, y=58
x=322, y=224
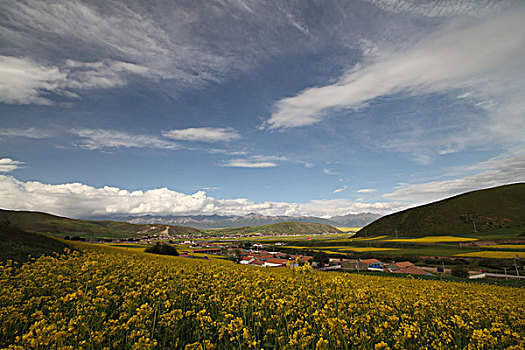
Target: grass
x=91, y=230
x=432, y=239
x=493, y=254
x=520, y=247
x=496, y=211
x=20, y=246
x=369, y=239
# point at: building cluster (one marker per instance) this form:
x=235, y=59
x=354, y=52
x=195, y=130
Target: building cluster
x=405, y=267
x=273, y=259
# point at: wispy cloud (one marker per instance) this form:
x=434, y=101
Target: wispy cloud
x=496, y=172
x=81, y=200
x=31, y=133
x=366, y=190
x=483, y=57
x=203, y=134
x=340, y=189
x=246, y=163
x=432, y=8
x=96, y=139
x=24, y=81
x=329, y=171
x=8, y=164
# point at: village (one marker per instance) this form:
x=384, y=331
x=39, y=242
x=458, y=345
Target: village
x=256, y=255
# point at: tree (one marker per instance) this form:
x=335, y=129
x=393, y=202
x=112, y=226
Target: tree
x=162, y=248
x=321, y=258
x=460, y=272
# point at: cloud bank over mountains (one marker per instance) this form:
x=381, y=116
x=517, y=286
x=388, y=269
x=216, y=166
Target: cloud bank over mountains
x=80, y=200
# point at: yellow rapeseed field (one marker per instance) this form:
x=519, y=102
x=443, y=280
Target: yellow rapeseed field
x=111, y=298
x=348, y=229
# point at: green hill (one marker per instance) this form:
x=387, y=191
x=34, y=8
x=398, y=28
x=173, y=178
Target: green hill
x=60, y=226
x=18, y=245
x=499, y=211
x=284, y=228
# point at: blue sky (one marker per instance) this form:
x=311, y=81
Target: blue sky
x=281, y=108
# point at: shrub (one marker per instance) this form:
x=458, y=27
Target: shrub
x=460, y=272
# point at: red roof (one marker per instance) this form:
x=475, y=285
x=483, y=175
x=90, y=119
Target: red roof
x=411, y=270
x=246, y=258
x=371, y=261
x=262, y=256
x=306, y=258
x=257, y=262
x=277, y=261
x=404, y=264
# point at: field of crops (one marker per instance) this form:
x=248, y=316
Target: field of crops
x=494, y=254
x=119, y=298
x=433, y=239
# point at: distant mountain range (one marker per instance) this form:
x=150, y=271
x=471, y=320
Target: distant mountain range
x=218, y=221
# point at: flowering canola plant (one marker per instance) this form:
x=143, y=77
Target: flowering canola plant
x=110, y=298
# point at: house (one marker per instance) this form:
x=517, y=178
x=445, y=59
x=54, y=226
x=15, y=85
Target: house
x=373, y=264
x=262, y=256
x=274, y=262
x=257, y=262
x=404, y=264
x=412, y=270
x=371, y=261
x=398, y=266
x=246, y=260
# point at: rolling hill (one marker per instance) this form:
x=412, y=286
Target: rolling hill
x=499, y=211
x=18, y=245
x=284, y=228
x=61, y=227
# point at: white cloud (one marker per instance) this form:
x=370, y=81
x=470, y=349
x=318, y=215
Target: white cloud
x=259, y=157
x=496, y=172
x=246, y=163
x=7, y=164
x=366, y=190
x=24, y=81
x=80, y=200
x=484, y=57
x=432, y=8
x=203, y=134
x=94, y=139
x=329, y=172
x=31, y=133
x=340, y=189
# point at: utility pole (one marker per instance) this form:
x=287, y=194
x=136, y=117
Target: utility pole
x=516, y=266
x=505, y=272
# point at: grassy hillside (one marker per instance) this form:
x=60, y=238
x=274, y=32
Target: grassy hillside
x=60, y=226
x=17, y=245
x=490, y=212
x=284, y=228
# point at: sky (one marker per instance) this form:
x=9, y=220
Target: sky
x=323, y=108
